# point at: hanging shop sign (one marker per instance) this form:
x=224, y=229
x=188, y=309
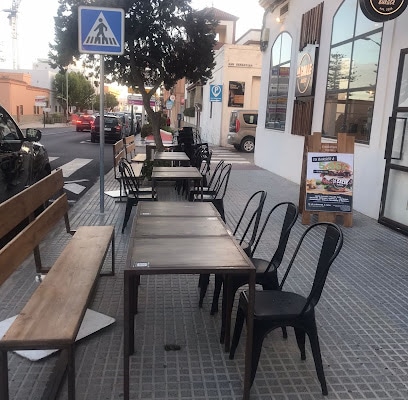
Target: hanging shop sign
x=305, y=72
x=329, y=182
x=382, y=10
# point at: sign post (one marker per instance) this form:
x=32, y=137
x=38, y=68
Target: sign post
x=101, y=30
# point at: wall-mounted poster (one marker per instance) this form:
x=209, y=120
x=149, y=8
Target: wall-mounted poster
x=329, y=182
x=236, y=94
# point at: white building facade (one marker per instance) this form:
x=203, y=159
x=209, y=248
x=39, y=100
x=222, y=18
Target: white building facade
x=355, y=81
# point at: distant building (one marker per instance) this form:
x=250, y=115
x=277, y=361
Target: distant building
x=235, y=82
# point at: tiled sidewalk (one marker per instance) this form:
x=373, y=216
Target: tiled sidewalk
x=362, y=319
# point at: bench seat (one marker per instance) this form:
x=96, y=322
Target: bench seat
x=139, y=158
x=53, y=314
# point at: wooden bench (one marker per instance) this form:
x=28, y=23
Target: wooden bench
x=53, y=314
x=130, y=150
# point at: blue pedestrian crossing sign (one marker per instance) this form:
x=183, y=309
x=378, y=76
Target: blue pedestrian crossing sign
x=101, y=30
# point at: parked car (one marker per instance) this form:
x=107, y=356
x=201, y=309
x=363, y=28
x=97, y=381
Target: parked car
x=84, y=122
x=242, y=129
x=114, y=130
x=23, y=160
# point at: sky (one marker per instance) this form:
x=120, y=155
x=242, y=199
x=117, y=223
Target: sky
x=35, y=26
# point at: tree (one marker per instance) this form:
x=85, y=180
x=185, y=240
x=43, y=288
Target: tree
x=165, y=41
x=80, y=90
x=110, y=101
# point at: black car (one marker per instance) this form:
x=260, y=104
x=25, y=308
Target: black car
x=23, y=161
x=114, y=130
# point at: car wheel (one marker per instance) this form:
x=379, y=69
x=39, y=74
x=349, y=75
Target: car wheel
x=237, y=147
x=248, y=145
x=77, y=129
x=93, y=139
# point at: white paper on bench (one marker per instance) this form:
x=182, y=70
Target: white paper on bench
x=92, y=322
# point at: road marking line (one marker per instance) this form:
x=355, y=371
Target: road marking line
x=74, y=165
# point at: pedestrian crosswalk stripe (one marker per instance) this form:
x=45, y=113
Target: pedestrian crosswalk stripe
x=101, y=33
x=69, y=168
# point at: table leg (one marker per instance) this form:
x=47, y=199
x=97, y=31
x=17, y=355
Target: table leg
x=126, y=322
x=249, y=337
x=153, y=187
x=226, y=320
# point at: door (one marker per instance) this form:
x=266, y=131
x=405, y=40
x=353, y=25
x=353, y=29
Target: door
x=394, y=199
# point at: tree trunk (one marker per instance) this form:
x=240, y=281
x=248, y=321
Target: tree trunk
x=156, y=131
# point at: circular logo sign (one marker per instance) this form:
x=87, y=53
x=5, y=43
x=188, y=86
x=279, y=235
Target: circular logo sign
x=382, y=10
x=304, y=73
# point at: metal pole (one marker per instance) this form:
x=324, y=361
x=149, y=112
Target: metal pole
x=67, y=93
x=101, y=133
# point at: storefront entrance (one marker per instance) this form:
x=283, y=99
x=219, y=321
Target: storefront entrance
x=394, y=199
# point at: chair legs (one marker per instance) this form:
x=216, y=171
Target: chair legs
x=129, y=204
x=260, y=331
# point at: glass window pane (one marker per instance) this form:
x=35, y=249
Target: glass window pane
x=403, y=97
x=286, y=48
x=334, y=111
x=365, y=62
x=359, y=114
x=343, y=23
x=278, y=83
x=364, y=25
x=339, y=67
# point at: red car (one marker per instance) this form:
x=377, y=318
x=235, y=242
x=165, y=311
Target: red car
x=84, y=122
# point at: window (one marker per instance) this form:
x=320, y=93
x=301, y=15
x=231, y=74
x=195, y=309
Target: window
x=278, y=82
x=352, y=74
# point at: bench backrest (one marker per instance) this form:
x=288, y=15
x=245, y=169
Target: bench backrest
x=118, y=154
x=31, y=214
x=130, y=147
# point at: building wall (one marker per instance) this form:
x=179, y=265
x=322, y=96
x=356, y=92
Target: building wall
x=233, y=63
x=18, y=96
x=281, y=152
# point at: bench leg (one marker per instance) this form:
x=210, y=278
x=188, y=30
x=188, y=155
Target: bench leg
x=4, y=389
x=112, y=273
x=71, y=372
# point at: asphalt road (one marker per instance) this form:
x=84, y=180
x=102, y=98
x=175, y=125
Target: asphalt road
x=75, y=152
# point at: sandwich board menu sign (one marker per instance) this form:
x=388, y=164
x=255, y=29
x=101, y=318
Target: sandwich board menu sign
x=329, y=182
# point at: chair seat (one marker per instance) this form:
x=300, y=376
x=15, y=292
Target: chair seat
x=275, y=304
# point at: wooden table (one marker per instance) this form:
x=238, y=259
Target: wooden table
x=174, y=156
x=157, y=246
x=175, y=174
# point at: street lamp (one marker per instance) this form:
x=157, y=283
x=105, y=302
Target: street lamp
x=372, y=40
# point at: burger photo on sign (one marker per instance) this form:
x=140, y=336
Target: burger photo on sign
x=329, y=173
x=337, y=176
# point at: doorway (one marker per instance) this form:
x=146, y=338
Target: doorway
x=394, y=198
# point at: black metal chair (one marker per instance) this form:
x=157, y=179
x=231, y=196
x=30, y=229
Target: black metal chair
x=134, y=193
x=246, y=235
x=278, y=308
x=217, y=195
x=245, y=231
x=211, y=183
x=282, y=217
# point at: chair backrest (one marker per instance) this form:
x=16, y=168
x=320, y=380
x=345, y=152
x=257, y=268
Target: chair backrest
x=222, y=183
x=251, y=215
x=130, y=182
x=215, y=175
x=330, y=247
x=289, y=220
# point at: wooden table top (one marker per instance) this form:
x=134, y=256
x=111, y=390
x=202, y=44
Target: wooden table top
x=171, y=156
x=176, y=173
x=186, y=255
x=176, y=209
x=148, y=226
